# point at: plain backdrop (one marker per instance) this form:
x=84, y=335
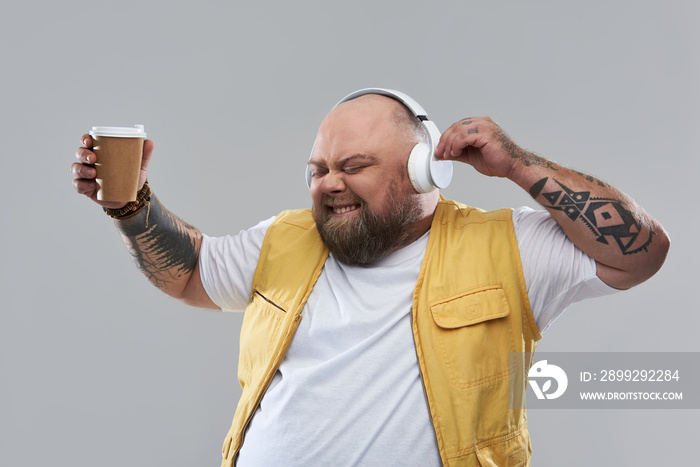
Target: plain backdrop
x=99, y=368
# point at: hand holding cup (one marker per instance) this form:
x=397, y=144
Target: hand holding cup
x=112, y=165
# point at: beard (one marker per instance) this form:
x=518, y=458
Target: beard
x=364, y=239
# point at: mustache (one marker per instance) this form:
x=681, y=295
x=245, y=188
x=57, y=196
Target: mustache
x=350, y=199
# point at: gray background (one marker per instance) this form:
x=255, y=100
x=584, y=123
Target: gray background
x=98, y=368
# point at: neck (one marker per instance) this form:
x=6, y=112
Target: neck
x=428, y=204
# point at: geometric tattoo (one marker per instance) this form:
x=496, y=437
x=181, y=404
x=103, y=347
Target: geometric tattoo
x=605, y=217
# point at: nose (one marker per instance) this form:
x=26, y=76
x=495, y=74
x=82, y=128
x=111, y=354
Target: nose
x=332, y=182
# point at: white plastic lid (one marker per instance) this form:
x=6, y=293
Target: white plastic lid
x=119, y=131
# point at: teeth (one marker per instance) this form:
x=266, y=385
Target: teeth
x=344, y=209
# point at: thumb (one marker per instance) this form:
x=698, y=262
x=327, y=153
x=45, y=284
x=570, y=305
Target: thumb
x=147, y=152
x=145, y=160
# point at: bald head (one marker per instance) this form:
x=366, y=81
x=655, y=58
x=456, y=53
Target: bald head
x=408, y=125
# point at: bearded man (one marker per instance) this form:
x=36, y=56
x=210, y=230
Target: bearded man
x=378, y=324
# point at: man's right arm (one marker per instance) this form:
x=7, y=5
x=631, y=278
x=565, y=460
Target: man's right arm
x=166, y=252
x=164, y=248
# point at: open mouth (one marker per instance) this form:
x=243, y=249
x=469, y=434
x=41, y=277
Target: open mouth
x=344, y=209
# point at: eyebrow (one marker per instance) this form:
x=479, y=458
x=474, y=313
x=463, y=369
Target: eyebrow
x=346, y=160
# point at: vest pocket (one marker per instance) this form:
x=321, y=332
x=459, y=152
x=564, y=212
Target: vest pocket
x=262, y=325
x=512, y=452
x=474, y=334
x=490, y=458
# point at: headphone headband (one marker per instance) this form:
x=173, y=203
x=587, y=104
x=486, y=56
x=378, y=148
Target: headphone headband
x=405, y=99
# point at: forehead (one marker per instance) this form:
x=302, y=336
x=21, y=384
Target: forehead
x=366, y=125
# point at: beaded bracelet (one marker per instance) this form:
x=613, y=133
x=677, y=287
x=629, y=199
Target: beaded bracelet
x=143, y=199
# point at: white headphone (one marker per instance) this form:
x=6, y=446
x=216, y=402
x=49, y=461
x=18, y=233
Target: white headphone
x=424, y=169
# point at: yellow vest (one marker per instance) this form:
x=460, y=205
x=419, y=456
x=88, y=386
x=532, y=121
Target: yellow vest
x=470, y=311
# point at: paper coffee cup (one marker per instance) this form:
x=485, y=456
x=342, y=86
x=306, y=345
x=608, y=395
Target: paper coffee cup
x=119, y=151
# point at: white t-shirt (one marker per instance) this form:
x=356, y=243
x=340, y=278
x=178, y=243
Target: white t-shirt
x=348, y=391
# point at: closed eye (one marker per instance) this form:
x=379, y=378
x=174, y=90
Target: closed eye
x=317, y=171
x=350, y=165
x=353, y=169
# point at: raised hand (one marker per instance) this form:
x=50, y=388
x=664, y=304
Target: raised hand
x=84, y=171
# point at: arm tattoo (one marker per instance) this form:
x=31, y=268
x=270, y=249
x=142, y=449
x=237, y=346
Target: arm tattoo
x=607, y=218
x=166, y=250
x=592, y=179
x=516, y=152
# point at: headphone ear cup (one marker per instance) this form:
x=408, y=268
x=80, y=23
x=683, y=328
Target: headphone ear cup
x=419, y=168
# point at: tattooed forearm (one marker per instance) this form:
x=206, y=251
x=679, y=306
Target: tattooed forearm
x=592, y=179
x=166, y=250
x=526, y=157
x=608, y=219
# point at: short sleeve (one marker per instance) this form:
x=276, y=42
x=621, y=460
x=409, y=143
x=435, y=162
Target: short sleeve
x=556, y=272
x=227, y=265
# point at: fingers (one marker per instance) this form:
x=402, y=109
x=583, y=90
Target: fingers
x=449, y=145
x=85, y=156
x=84, y=176
x=473, y=131
x=86, y=140
x=83, y=171
x=453, y=142
x=84, y=168
x=481, y=143
x=85, y=187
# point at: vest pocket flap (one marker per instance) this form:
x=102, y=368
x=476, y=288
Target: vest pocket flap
x=469, y=308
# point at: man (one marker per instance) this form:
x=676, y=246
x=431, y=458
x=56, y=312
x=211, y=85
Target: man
x=378, y=324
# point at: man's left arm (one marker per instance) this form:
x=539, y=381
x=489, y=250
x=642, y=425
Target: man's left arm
x=628, y=245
